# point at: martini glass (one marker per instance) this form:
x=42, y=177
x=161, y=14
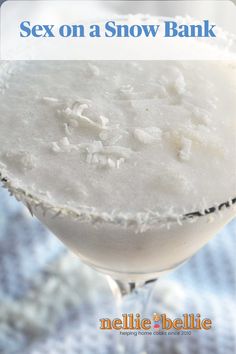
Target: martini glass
x=131, y=267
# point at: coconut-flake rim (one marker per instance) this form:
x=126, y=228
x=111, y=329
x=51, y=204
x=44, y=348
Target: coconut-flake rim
x=140, y=221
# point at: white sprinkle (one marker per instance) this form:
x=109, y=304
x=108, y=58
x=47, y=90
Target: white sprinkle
x=111, y=163
x=161, y=91
x=106, y=155
x=68, y=111
x=148, y=135
x=104, y=121
x=185, y=151
x=119, y=162
x=119, y=151
x=67, y=129
x=180, y=85
x=78, y=108
x=201, y=115
x=65, y=141
x=55, y=147
x=126, y=89
x=64, y=146
x=77, y=112
x=50, y=99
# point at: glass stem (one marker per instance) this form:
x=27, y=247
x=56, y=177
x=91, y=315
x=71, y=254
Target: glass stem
x=131, y=298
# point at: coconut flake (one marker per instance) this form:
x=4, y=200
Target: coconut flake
x=126, y=89
x=95, y=71
x=50, y=100
x=119, y=162
x=111, y=163
x=63, y=145
x=109, y=156
x=55, y=147
x=180, y=85
x=118, y=151
x=77, y=113
x=185, y=151
x=148, y=135
x=201, y=115
x=67, y=129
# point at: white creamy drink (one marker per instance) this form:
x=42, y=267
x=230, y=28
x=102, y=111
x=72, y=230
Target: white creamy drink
x=112, y=155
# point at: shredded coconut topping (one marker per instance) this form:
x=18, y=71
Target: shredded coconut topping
x=137, y=135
